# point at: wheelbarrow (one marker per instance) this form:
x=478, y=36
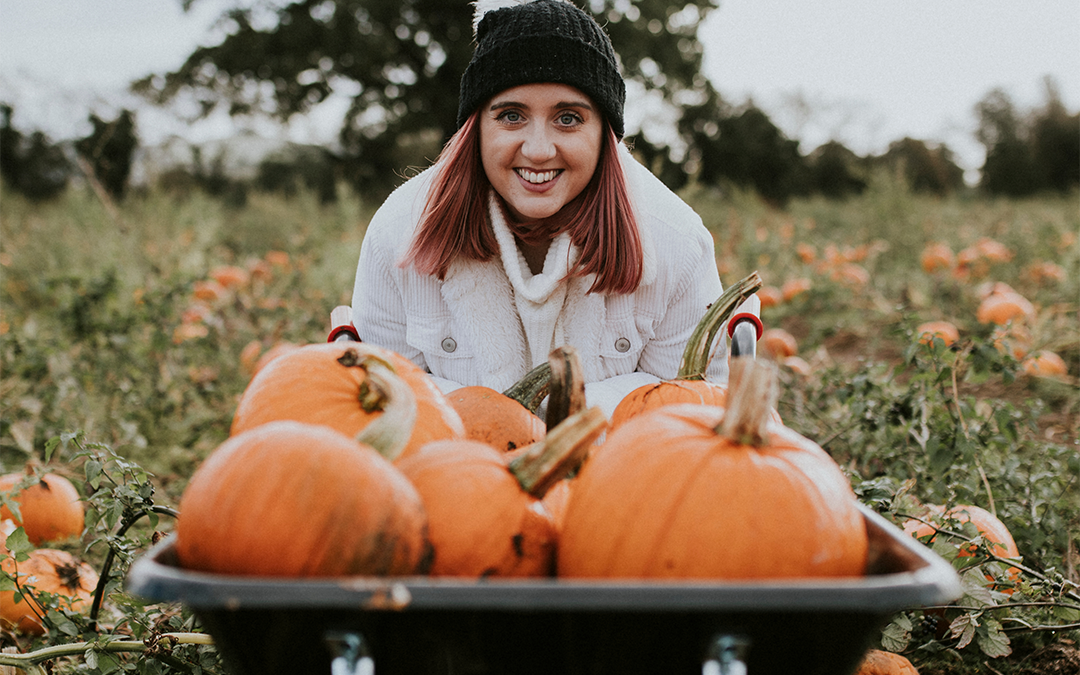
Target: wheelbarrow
x=420, y=625
x=437, y=626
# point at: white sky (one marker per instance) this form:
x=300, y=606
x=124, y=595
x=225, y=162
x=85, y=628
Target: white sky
x=871, y=71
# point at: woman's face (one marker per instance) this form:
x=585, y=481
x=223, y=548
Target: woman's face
x=539, y=144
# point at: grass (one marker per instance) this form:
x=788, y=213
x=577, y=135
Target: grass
x=101, y=330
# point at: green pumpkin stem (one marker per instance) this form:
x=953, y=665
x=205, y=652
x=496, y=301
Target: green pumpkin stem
x=531, y=389
x=698, y=352
x=562, y=451
x=751, y=397
x=567, y=391
x=383, y=390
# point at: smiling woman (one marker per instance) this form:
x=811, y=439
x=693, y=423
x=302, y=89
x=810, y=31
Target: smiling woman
x=536, y=228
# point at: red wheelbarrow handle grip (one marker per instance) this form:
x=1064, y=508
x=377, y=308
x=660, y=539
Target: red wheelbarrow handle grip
x=745, y=316
x=341, y=327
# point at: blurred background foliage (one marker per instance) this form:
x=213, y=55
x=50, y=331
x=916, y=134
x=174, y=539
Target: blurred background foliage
x=400, y=62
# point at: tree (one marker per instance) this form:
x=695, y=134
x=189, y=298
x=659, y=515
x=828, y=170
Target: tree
x=401, y=62
x=1009, y=168
x=926, y=168
x=1055, y=142
x=835, y=171
x=743, y=146
x=109, y=149
x=34, y=167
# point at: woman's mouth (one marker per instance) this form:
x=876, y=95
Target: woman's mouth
x=538, y=177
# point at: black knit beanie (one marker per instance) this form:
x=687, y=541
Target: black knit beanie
x=526, y=41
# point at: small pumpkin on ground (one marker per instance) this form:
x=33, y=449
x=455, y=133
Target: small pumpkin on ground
x=946, y=331
x=996, y=533
x=504, y=420
x=690, y=385
x=1044, y=363
x=879, y=662
x=327, y=384
x=778, y=344
x=49, y=506
x=289, y=499
x=45, y=571
x=695, y=491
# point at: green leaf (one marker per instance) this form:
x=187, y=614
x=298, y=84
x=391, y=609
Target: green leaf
x=963, y=630
x=992, y=640
x=18, y=544
x=50, y=446
x=896, y=636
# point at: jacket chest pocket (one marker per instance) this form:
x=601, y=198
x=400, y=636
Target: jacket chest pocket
x=444, y=351
x=621, y=344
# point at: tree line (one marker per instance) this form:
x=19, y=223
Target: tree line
x=401, y=61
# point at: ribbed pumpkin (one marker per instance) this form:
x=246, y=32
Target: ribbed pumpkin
x=292, y=499
x=999, y=539
x=288, y=499
x=694, y=491
x=946, y=331
x=50, y=506
x=878, y=662
x=50, y=571
x=504, y=420
x=485, y=517
x=327, y=384
x=690, y=385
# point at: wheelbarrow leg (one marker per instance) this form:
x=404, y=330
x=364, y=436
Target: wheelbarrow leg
x=726, y=655
x=351, y=655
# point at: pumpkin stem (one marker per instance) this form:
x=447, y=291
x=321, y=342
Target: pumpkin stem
x=567, y=391
x=752, y=394
x=383, y=390
x=563, y=449
x=698, y=352
x=530, y=390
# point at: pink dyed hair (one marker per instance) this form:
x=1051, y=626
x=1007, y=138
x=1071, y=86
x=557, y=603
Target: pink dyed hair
x=455, y=220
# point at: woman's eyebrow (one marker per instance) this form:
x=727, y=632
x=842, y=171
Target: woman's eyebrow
x=561, y=104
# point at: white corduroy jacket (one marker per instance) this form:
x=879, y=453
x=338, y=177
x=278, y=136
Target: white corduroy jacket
x=487, y=323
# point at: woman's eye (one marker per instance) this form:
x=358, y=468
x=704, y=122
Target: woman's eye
x=512, y=116
x=568, y=119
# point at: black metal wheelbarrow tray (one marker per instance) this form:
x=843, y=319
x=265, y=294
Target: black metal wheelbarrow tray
x=553, y=626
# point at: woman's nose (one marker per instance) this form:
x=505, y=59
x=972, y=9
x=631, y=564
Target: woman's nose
x=538, y=145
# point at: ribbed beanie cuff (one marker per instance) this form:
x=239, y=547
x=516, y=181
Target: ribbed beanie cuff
x=543, y=41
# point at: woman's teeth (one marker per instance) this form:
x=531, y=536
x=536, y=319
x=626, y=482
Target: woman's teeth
x=537, y=178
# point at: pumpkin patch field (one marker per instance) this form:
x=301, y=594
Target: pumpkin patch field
x=925, y=351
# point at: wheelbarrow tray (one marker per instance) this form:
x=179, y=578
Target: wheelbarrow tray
x=453, y=626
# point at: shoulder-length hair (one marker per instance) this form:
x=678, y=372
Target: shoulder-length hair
x=455, y=221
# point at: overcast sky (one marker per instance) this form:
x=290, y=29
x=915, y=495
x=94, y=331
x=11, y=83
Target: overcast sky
x=865, y=72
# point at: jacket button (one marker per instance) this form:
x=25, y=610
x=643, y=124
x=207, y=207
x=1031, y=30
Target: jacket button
x=622, y=345
x=449, y=345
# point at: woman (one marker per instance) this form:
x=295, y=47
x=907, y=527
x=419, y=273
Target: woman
x=536, y=228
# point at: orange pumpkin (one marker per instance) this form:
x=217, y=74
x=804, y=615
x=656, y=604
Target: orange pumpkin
x=1044, y=363
x=945, y=330
x=690, y=385
x=937, y=256
x=1002, y=307
x=694, y=491
x=230, y=276
x=485, y=517
x=328, y=384
x=50, y=506
x=556, y=500
x=997, y=535
x=504, y=420
x=793, y=288
x=878, y=662
x=45, y=571
x=286, y=499
x=777, y=344
x=770, y=296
